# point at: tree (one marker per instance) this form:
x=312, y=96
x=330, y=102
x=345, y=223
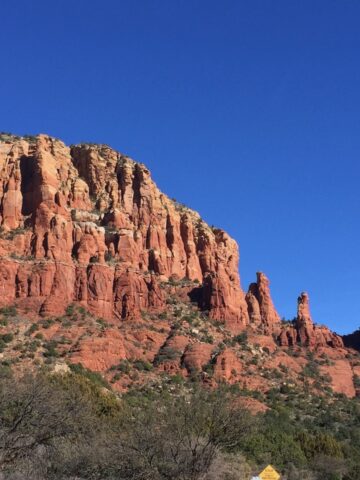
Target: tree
x=179, y=438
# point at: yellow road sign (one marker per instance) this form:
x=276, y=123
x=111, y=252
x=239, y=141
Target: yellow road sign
x=269, y=474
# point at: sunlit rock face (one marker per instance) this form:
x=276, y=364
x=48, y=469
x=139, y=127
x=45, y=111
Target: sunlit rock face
x=87, y=226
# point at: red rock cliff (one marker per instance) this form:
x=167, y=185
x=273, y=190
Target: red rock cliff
x=88, y=224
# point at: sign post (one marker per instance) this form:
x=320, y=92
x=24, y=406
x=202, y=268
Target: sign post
x=269, y=473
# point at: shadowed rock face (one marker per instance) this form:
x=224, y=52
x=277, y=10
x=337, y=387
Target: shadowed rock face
x=87, y=225
x=352, y=340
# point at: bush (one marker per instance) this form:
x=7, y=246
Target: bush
x=95, y=377
x=143, y=365
x=356, y=381
x=166, y=354
x=311, y=369
x=66, y=426
x=123, y=367
x=7, y=337
x=50, y=349
x=47, y=323
x=8, y=311
x=241, y=339
x=32, y=329
x=70, y=310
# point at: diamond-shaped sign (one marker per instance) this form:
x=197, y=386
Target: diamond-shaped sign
x=269, y=474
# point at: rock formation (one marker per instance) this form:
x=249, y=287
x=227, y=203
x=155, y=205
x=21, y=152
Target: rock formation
x=85, y=227
x=88, y=224
x=304, y=332
x=260, y=305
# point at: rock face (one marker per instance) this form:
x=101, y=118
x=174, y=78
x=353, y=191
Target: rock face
x=87, y=226
x=304, y=332
x=261, y=308
x=353, y=340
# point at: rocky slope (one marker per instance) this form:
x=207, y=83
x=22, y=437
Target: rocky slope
x=107, y=271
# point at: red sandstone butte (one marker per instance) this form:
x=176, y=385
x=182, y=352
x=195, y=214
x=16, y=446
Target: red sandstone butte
x=87, y=225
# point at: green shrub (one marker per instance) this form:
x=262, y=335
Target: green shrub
x=50, y=349
x=241, y=339
x=311, y=369
x=32, y=329
x=8, y=311
x=95, y=377
x=123, y=366
x=70, y=310
x=143, y=365
x=7, y=337
x=47, y=323
x=116, y=377
x=166, y=354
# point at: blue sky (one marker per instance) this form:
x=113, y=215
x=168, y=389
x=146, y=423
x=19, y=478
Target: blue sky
x=247, y=111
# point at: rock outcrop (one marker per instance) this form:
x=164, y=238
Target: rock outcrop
x=305, y=333
x=262, y=312
x=85, y=229
x=352, y=340
x=87, y=224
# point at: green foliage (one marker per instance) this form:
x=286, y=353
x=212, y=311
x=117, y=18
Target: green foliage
x=123, y=366
x=32, y=329
x=143, y=366
x=241, y=339
x=5, y=371
x=317, y=444
x=208, y=369
x=311, y=369
x=103, y=323
x=207, y=338
x=94, y=377
x=70, y=310
x=109, y=258
x=8, y=311
x=7, y=337
x=47, y=323
x=30, y=138
x=8, y=137
x=10, y=235
x=50, y=349
x=166, y=354
x=173, y=430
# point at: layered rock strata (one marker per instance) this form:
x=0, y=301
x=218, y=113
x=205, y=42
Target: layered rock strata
x=87, y=224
